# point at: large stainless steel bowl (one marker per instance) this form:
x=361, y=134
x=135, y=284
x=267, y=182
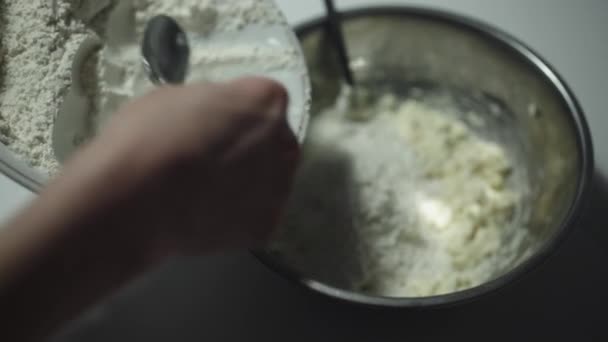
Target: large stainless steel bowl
x=540, y=122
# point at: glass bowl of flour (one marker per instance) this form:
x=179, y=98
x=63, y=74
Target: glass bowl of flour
x=58, y=93
x=457, y=164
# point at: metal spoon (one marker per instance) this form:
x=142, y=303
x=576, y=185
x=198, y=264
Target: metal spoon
x=165, y=50
x=336, y=34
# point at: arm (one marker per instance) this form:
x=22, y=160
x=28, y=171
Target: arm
x=183, y=170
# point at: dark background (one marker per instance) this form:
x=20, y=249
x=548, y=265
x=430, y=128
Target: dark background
x=234, y=298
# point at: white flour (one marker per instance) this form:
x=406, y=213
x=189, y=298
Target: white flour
x=410, y=203
x=37, y=52
x=35, y=60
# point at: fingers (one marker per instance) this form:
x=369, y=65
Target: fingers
x=268, y=151
x=213, y=116
x=223, y=147
x=259, y=115
x=247, y=102
x=262, y=96
x=271, y=99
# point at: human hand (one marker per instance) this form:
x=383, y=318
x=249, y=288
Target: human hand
x=189, y=169
x=195, y=168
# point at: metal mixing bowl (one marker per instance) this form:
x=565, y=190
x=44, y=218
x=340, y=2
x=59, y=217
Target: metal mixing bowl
x=536, y=117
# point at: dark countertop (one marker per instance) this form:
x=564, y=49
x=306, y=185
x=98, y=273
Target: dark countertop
x=233, y=297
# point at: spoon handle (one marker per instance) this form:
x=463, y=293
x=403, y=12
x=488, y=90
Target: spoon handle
x=337, y=36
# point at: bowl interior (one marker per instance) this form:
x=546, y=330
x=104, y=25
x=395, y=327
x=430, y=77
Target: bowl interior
x=529, y=113
x=412, y=52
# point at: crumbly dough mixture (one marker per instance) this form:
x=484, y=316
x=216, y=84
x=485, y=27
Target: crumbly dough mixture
x=396, y=198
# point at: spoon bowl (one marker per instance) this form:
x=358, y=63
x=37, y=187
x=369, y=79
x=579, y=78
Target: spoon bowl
x=165, y=51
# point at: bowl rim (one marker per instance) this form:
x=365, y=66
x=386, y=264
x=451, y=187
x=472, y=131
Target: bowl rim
x=20, y=172
x=584, y=146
